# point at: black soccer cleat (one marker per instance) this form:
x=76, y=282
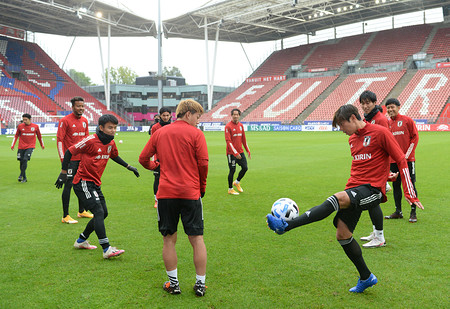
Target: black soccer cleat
x=199, y=288
x=171, y=289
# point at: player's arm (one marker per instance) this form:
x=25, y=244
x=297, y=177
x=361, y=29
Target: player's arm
x=60, y=135
x=16, y=137
x=120, y=161
x=202, y=163
x=62, y=178
x=229, y=142
x=397, y=154
x=414, y=138
x=39, y=136
x=145, y=158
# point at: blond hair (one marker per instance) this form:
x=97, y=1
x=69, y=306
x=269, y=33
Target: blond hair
x=188, y=105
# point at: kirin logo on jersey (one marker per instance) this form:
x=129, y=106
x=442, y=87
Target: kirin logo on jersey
x=366, y=141
x=400, y=123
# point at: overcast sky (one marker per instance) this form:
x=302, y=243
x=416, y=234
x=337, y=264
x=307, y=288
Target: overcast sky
x=141, y=54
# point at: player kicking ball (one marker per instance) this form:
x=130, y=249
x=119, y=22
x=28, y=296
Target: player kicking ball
x=96, y=150
x=371, y=146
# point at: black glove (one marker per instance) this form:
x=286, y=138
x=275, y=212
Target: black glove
x=202, y=194
x=134, y=170
x=62, y=178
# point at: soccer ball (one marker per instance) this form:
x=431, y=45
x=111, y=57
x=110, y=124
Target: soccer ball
x=121, y=141
x=285, y=208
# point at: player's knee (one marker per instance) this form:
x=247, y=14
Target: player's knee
x=346, y=241
x=244, y=168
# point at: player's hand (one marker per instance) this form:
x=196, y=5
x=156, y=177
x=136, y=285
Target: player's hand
x=12, y=148
x=134, y=170
x=392, y=176
x=202, y=194
x=417, y=203
x=62, y=179
x=238, y=156
x=249, y=155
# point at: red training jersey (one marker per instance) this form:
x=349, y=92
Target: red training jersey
x=155, y=127
x=235, y=138
x=27, y=136
x=183, y=160
x=370, y=148
x=379, y=119
x=94, y=156
x=405, y=133
x=71, y=130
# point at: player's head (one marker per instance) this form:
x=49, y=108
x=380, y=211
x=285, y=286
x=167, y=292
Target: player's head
x=235, y=115
x=346, y=118
x=156, y=118
x=368, y=101
x=108, y=124
x=392, y=107
x=26, y=119
x=190, y=111
x=77, y=106
x=164, y=114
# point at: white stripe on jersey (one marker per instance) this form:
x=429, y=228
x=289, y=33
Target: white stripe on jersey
x=409, y=184
x=408, y=153
x=60, y=150
x=81, y=143
x=232, y=148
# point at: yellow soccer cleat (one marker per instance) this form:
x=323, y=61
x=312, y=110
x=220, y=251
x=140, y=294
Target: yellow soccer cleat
x=231, y=191
x=85, y=214
x=238, y=186
x=68, y=219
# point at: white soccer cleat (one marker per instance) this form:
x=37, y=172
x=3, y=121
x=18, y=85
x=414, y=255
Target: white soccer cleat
x=375, y=243
x=84, y=245
x=368, y=238
x=112, y=252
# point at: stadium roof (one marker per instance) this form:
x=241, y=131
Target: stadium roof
x=73, y=18
x=248, y=21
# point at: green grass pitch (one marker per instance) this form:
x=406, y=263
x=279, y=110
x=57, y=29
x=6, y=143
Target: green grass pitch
x=248, y=265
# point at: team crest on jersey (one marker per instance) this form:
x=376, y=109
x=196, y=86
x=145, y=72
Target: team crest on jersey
x=372, y=122
x=400, y=123
x=366, y=141
x=32, y=129
x=109, y=148
x=84, y=124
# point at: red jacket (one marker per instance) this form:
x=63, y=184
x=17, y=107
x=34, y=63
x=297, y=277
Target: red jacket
x=405, y=133
x=235, y=138
x=71, y=130
x=27, y=136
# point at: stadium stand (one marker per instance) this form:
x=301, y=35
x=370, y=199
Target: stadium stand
x=426, y=96
x=333, y=56
x=349, y=90
x=38, y=86
x=290, y=100
x=439, y=46
x=242, y=98
x=396, y=45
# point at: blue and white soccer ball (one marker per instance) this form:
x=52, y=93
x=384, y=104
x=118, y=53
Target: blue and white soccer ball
x=285, y=208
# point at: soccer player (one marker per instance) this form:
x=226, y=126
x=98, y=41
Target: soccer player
x=373, y=114
x=183, y=160
x=96, y=150
x=405, y=132
x=72, y=129
x=370, y=146
x=235, y=138
x=26, y=133
x=164, y=119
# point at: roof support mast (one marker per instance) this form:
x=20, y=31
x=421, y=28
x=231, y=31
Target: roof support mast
x=159, y=34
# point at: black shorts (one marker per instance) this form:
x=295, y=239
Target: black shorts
x=411, y=167
x=24, y=154
x=363, y=197
x=191, y=212
x=89, y=194
x=72, y=169
x=232, y=160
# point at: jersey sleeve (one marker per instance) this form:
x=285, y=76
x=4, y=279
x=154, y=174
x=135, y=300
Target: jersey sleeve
x=202, y=160
x=81, y=147
x=114, y=151
x=414, y=138
x=145, y=158
x=396, y=153
x=60, y=134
